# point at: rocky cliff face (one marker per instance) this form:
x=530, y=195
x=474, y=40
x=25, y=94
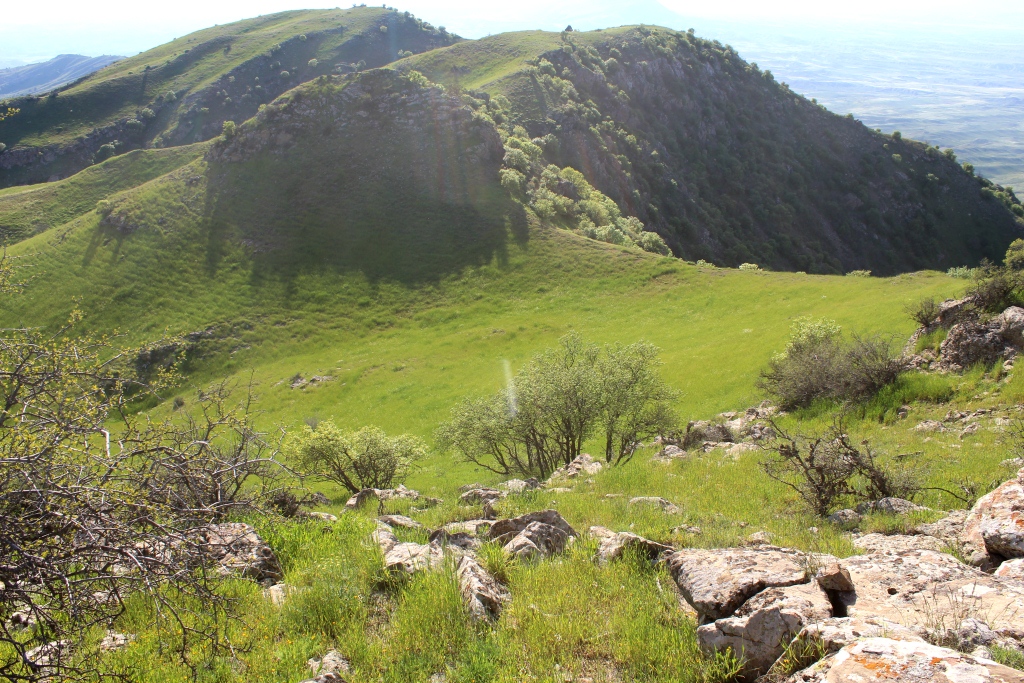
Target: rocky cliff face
x=731, y=166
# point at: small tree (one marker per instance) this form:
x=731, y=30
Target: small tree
x=367, y=458
x=1015, y=255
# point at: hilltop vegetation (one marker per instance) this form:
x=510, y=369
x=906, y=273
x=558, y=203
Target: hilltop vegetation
x=183, y=91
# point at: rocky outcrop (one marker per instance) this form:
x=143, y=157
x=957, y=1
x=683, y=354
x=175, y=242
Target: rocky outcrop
x=887, y=659
x=410, y=558
x=504, y=530
x=581, y=464
x=400, y=521
x=882, y=543
x=520, y=485
x=484, y=595
x=481, y=495
x=114, y=641
x=239, y=551
x=329, y=668
x=1012, y=571
x=717, y=582
x=994, y=529
x=890, y=506
x=766, y=623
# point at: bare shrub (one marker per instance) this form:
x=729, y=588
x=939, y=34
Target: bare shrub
x=924, y=312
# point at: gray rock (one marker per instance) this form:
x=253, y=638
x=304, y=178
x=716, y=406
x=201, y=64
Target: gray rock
x=891, y=506
x=581, y=464
x=537, y=540
x=413, y=557
x=474, y=527
x=759, y=538
x=329, y=668
x=833, y=577
x=460, y=539
x=520, y=485
x=1012, y=571
x=362, y=498
x=504, y=530
x=671, y=452
x=836, y=633
x=483, y=495
x=845, y=517
x=1011, y=325
x=114, y=641
x=278, y=593
x=703, y=430
x=239, y=551
x=717, y=582
x=665, y=505
x=384, y=537
x=484, y=596
x=400, y=521
x=969, y=342
x=613, y=546
x=319, y=516
x=766, y=623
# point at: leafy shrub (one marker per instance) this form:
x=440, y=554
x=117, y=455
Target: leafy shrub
x=367, y=458
x=104, y=207
x=749, y=266
x=995, y=289
x=962, y=272
x=2, y=147
x=105, y=152
x=859, y=273
x=652, y=242
x=229, y=128
x=146, y=114
x=1015, y=255
x=557, y=402
x=819, y=364
x=313, y=63
x=285, y=74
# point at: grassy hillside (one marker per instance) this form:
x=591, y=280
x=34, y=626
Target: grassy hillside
x=181, y=92
x=31, y=209
x=724, y=162
x=356, y=231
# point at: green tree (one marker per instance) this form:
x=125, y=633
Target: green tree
x=1015, y=255
x=367, y=458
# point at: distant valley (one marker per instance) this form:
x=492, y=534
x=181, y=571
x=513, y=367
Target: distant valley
x=45, y=76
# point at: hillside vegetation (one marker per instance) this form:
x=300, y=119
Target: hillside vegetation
x=182, y=92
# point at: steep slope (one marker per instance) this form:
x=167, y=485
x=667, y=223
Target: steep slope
x=45, y=76
x=27, y=210
x=724, y=162
x=183, y=91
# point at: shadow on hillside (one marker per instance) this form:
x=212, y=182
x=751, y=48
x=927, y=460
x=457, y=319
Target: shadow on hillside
x=385, y=212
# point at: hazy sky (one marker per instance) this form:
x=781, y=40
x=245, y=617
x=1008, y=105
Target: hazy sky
x=33, y=31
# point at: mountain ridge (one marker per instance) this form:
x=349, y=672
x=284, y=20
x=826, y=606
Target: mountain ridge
x=42, y=77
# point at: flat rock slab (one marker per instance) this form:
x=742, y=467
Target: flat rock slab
x=836, y=633
x=882, y=543
x=537, y=540
x=504, y=530
x=927, y=588
x=762, y=628
x=613, y=545
x=886, y=659
x=717, y=582
x=475, y=527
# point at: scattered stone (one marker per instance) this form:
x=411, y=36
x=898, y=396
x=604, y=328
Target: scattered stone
x=400, y=492
x=614, y=545
x=994, y=529
x=666, y=506
x=975, y=632
x=684, y=529
x=582, y=464
x=413, y=557
x=891, y=506
x=1012, y=463
x=880, y=543
x=319, y=516
x=114, y=641
x=886, y=659
x=504, y=530
x=930, y=426
x=484, y=596
x=845, y=517
x=833, y=577
x=360, y=499
x=48, y=655
x=400, y=521
x=475, y=527
x=460, y=540
x=520, y=485
x=537, y=540
x=482, y=495
x=671, y=452
x=329, y=668
x=21, y=620
x=948, y=529
x=717, y=582
x=277, y=593
x=969, y=430
x=239, y=550
x=836, y=633
x=699, y=432
x=761, y=629
x=759, y=538
x=384, y=537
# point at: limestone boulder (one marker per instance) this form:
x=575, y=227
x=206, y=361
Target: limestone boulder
x=239, y=551
x=481, y=495
x=362, y=499
x=400, y=521
x=837, y=632
x=765, y=624
x=970, y=342
x=114, y=641
x=612, y=546
x=887, y=659
x=994, y=529
x=410, y=558
x=459, y=540
x=890, y=506
x=483, y=594
x=717, y=582
x=701, y=431
x=928, y=589
x=384, y=537
x=1011, y=325
x=328, y=669
x=520, y=485
x=474, y=527
x=845, y=517
x=834, y=577
x=504, y=530
x=581, y=464
x=537, y=540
